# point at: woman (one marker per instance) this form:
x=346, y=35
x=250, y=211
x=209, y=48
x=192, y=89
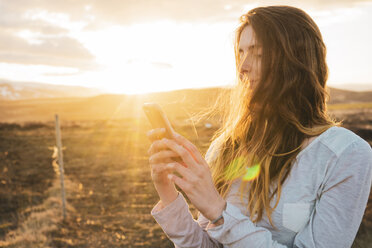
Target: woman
x=279, y=172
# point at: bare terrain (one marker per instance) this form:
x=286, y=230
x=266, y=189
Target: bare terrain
x=108, y=183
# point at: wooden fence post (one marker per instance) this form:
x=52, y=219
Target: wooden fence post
x=60, y=163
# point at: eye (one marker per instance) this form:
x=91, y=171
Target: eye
x=241, y=54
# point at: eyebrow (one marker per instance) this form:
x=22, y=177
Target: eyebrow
x=251, y=47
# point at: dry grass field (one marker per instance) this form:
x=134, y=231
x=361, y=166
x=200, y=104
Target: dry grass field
x=108, y=184
x=109, y=189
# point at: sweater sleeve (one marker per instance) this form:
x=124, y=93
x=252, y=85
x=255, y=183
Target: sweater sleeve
x=178, y=224
x=237, y=231
x=334, y=223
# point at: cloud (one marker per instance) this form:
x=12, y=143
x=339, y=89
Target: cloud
x=161, y=65
x=56, y=51
x=38, y=26
x=61, y=74
x=13, y=18
x=144, y=62
x=48, y=44
x=125, y=12
x=54, y=45
x=94, y=13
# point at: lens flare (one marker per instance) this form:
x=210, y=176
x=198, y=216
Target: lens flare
x=239, y=167
x=252, y=172
x=235, y=169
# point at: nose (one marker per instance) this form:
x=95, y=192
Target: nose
x=245, y=70
x=246, y=65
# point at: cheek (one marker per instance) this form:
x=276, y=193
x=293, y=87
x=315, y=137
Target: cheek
x=258, y=69
x=242, y=77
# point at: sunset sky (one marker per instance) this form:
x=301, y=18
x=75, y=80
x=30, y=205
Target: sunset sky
x=137, y=46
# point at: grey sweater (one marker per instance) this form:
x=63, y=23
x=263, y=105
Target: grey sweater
x=322, y=202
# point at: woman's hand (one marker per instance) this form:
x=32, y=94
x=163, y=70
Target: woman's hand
x=159, y=157
x=196, y=179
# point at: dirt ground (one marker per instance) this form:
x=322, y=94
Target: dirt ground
x=111, y=194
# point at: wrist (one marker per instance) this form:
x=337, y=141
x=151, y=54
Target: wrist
x=216, y=216
x=219, y=220
x=218, y=223
x=167, y=196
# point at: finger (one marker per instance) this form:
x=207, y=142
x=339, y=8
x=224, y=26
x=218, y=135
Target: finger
x=190, y=147
x=156, y=134
x=183, y=171
x=161, y=156
x=183, y=184
x=181, y=151
x=159, y=168
x=176, y=160
x=156, y=146
x=179, y=160
x=169, y=160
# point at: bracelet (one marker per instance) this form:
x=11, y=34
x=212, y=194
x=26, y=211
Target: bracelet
x=215, y=220
x=220, y=217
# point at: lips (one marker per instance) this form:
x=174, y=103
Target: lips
x=244, y=76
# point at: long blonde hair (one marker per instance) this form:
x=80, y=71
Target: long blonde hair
x=263, y=128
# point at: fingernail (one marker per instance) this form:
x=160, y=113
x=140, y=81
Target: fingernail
x=162, y=129
x=170, y=176
x=150, y=159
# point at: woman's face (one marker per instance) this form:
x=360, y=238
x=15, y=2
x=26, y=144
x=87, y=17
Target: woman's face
x=250, y=53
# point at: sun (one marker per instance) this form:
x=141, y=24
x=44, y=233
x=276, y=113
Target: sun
x=141, y=58
x=133, y=59
x=158, y=56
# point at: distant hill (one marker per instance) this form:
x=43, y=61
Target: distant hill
x=346, y=96
x=178, y=104
x=355, y=87
x=10, y=90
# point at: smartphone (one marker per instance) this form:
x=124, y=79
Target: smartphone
x=157, y=118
